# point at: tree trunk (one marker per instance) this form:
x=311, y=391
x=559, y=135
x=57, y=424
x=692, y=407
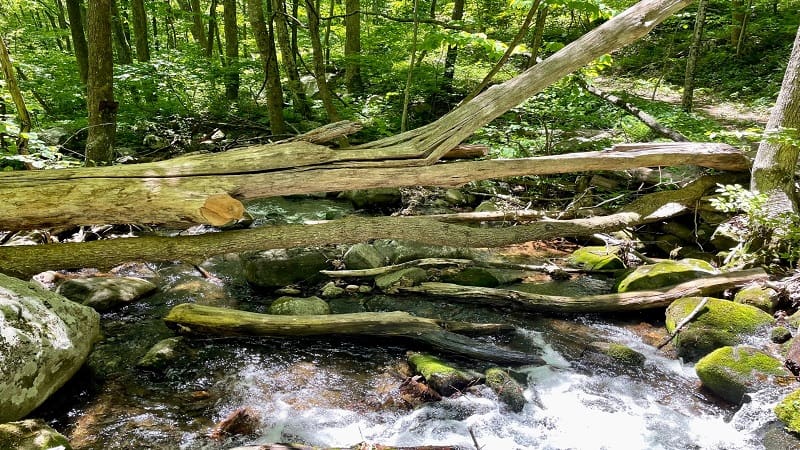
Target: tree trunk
x=199, y=319
x=694, y=53
x=100, y=89
x=78, y=37
x=62, y=22
x=24, y=261
x=603, y=303
x=776, y=160
x=737, y=18
x=212, y=23
x=352, y=46
x=538, y=35
x=140, y=30
x=16, y=95
x=120, y=38
x=410, y=76
x=231, y=50
x=452, y=51
x=192, y=7
x=269, y=60
x=319, y=61
x=288, y=57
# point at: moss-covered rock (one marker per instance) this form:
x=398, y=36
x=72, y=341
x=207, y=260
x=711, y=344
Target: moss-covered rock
x=104, y=293
x=600, y=257
x=482, y=276
x=487, y=206
x=788, y=412
x=507, y=389
x=399, y=251
x=618, y=354
x=731, y=372
x=720, y=323
x=665, y=273
x=762, y=298
x=363, y=256
x=403, y=277
x=780, y=334
x=277, y=268
x=298, y=306
x=374, y=198
x=331, y=290
x=31, y=434
x=440, y=376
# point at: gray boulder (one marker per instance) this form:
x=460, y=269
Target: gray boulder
x=44, y=339
x=278, y=268
x=103, y=293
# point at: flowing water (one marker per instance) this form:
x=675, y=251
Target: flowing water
x=338, y=393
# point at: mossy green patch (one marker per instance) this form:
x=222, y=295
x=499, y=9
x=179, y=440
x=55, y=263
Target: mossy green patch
x=297, y=306
x=507, y=389
x=760, y=297
x=731, y=372
x=597, y=258
x=720, y=323
x=31, y=434
x=788, y=411
x=665, y=273
x=440, y=376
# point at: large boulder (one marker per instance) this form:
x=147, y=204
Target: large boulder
x=601, y=257
x=483, y=276
x=763, y=298
x=44, y=339
x=721, y=323
x=363, y=256
x=788, y=411
x=31, y=434
x=104, y=293
x=665, y=273
x=278, y=268
x=732, y=372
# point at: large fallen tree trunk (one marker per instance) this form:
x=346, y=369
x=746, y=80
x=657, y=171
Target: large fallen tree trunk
x=618, y=302
x=24, y=261
x=201, y=188
x=200, y=319
x=175, y=193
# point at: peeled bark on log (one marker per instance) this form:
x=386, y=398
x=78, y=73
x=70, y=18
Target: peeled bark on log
x=207, y=189
x=617, y=302
x=194, y=318
x=24, y=261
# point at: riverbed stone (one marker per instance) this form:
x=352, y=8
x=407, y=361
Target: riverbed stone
x=277, y=268
x=299, y=306
x=363, y=256
x=508, y=390
x=404, y=277
x=104, y=293
x=665, y=273
x=720, y=323
x=439, y=375
x=598, y=257
x=162, y=353
x=31, y=434
x=44, y=339
x=788, y=412
x=616, y=354
x=483, y=277
x=374, y=198
x=763, y=298
x=331, y=290
x=731, y=372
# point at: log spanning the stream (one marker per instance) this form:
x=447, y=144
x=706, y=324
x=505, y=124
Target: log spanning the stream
x=200, y=319
x=617, y=302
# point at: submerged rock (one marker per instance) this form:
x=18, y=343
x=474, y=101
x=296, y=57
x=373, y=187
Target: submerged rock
x=104, y=293
x=616, y=354
x=788, y=412
x=278, y=268
x=162, y=353
x=44, y=339
x=440, y=376
x=720, y=323
x=298, y=306
x=665, y=273
x=507, y=389
x=600, y=257
x=31, y=434
x=731, y=372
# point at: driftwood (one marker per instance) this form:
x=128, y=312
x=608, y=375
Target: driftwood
x=193, y=318
x=645, y=118
x=24, y=261
x=444, y=262
x=628, y=301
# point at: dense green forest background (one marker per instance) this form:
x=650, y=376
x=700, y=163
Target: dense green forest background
x=185, y=78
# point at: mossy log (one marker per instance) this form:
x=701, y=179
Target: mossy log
x=617, y=302
x=24, y=261
x=200, y=319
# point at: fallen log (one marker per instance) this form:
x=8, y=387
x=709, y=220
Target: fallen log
x=445, y=262
x=617, y=302
x=24, y=261
x=199, y=319
x=208, y=189
x=359, y=446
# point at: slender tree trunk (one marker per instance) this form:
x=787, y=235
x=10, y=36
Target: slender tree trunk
x=776, y=160
x=299, y=100
x=410, y=75
x=694, y=53
x=120, y=38
x=62, y=22
x=16, y=96
x=293, y=27
x=743, y=31
x=523, y=30
x=78, y=37
x=452, y=51
x=169, y=20
x=737, y=17
x=326, y=45
x=100, y=91
x=352, y=46
x=212, y=23
x=319, y=62
x=140, y=30
x=231, y=50
x=192, y=7
x=269, y=60
x=538, y=35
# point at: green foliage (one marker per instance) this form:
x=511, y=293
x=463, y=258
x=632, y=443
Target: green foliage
x=40, y=155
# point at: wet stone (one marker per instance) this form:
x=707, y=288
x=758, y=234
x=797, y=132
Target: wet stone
x=102, y=293
x=297, y=306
